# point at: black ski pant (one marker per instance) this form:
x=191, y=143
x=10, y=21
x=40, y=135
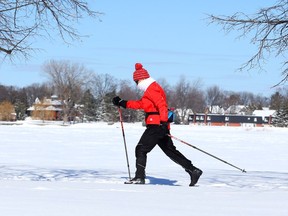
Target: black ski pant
x=149, y=139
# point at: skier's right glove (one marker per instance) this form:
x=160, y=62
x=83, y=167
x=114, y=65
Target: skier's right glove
x=117, y=101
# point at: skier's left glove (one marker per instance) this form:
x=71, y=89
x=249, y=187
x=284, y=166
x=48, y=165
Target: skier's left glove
x=117, y=101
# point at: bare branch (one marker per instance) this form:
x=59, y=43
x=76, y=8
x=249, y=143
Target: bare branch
x=21, y=20
x=269, y=30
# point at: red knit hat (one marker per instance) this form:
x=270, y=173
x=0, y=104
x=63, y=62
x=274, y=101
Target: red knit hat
x=140, y=72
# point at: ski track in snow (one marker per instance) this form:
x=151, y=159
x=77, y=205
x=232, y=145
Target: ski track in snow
x=211, y=178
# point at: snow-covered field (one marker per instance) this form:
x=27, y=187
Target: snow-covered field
x=80, y=169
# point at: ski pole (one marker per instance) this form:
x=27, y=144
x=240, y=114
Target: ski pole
x=127, y=160
x=243, y=170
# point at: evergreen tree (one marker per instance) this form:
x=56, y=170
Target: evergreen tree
x=20, y=109
x=109, y=111
x=90, y=107
x=276, y=100
x=281, y=118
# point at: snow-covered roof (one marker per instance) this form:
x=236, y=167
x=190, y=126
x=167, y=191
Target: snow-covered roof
x=49, y=108
x=217, y=109
x=235, y=109
x=32, y=108
x=47, y=104
x=52, y=108
x=48, y=101
x=264, y=112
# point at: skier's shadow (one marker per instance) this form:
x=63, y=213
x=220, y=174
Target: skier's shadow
x=161, y=181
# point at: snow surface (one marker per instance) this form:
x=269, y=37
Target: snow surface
x=80, y=169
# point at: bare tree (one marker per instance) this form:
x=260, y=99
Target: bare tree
x=246, y=98
x=167, y=88
x=69, y=81
x=269, y=29
x=101, y=85
x=188, y=98
x=4, y=93
x=261, y=101
x=6, y=111
x=231, y=99
x=23, y=20
x=103, y=88
x=36, y=90
x=130, y=91
x=214, y=97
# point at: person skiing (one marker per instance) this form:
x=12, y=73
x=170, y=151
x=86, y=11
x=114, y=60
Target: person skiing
x=154, y=104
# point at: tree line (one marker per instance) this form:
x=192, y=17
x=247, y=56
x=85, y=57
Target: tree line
x=266, y=28
x=90, y=95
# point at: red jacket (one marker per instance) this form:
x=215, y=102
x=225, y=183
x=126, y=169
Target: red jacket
x=154, y=102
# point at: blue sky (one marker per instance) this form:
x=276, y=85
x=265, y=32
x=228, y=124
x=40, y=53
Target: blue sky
x=170, y=38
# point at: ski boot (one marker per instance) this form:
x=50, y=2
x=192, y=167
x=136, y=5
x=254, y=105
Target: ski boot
x=195, y=174
x=136, y=180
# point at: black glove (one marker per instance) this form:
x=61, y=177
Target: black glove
x=117, y=101
x=164, y=129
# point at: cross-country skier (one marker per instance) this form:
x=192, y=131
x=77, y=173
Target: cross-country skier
x=154, y=104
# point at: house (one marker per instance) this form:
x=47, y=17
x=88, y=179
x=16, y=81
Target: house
x=259, y=118
x=47, y=109
x=266, y=114
x=226, y=120
x=216, y=109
